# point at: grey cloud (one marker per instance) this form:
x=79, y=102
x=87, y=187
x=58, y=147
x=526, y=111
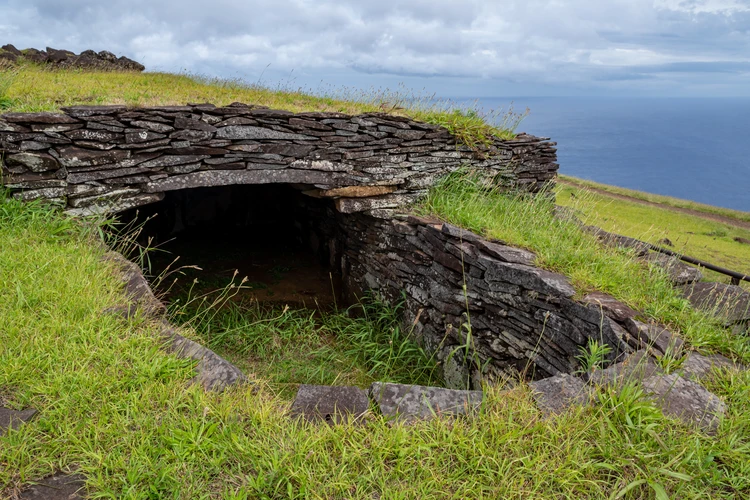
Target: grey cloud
x=522, y=43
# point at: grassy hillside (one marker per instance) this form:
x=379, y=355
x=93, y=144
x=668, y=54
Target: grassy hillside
x=119, y=409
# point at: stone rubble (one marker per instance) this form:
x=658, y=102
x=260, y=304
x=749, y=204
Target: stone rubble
x=679, y=395
x=88, y=59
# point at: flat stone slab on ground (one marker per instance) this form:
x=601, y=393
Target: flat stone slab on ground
x=214, y=372
x=687, y=400
x=656, y=336
x=697, y=366
x=329, y=403
x=12, y=419
x=679, y=272
x=728, y=302
x=411, y=402
x=557, y=394
x=56, y=487
x=634, y=368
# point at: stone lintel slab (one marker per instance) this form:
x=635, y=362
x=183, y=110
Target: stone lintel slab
x=231, y=177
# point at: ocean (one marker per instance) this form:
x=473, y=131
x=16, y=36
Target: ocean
x=692, y=148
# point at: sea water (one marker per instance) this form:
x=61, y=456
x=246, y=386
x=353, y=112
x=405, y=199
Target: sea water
x=692, y=148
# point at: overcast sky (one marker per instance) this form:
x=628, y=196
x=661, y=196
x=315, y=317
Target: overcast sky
x=457, y=48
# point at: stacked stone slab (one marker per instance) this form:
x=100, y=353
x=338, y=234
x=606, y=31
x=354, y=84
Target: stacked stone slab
x=111, y=158
x=88, y=59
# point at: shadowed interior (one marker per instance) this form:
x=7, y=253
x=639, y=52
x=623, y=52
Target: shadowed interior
x=270, y=234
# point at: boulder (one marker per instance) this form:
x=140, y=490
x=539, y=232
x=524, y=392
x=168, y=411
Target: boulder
x=58, y=56
x=11, y=49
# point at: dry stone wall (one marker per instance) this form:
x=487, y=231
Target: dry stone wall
x=461, y=290
x=111, y=158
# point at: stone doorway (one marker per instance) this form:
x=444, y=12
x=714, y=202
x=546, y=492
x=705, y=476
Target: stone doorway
x=278, y=243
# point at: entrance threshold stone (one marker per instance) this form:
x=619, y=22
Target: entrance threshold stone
x=412, y=402
x=332, y=404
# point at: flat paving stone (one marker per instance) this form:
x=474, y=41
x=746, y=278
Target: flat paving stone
x=697, y=366
x=412, y=402
x=332, y=404
x=634, y=368
x=13, y=419
x=557, y=394
x=686, y=400
x=58, y=486
x=731, y=303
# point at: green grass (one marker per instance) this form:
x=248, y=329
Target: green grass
x=285, y=348
x=119, y=409
x=561, y=246
x=704, y=239
x=32, y=88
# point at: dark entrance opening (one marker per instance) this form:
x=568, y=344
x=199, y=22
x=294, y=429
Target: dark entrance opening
x=277, y=242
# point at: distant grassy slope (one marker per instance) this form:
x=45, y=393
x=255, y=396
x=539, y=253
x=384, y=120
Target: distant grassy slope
x=691, y=235
x=667, y=201
x=32, y=88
